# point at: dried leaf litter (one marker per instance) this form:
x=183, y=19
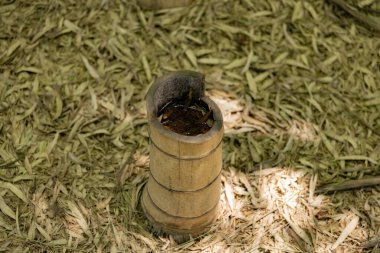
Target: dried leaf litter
x=297, y=81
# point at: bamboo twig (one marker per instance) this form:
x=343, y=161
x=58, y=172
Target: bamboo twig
x=358, y=15
x=351, y=184
x=301, y=244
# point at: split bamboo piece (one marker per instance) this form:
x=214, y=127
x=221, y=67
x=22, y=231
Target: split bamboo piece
x=182, y=194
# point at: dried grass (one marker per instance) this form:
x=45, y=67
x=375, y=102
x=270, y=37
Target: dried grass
x=298, y=82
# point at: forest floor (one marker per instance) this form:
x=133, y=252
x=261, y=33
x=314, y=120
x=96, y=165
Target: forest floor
x=298, y=85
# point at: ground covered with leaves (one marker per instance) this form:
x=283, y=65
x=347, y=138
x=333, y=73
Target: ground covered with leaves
x=298, y=84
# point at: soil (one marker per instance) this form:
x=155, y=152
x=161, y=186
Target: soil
x=187, y=118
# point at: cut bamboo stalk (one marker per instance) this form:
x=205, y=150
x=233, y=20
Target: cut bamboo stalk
x=182, y=195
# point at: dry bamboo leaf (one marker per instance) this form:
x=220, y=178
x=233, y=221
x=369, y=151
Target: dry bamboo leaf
x=32, y=230
x=58, y=242
x=288, y=37
x=236, y=63
x=71, y=26
x=312, y=186
x=81, y=88
x=26, y=113
x=94, y=101
x=250, y=59
x=146, y=240
x=52, y=144
x=311, y=10
x=315, y=104
x=213, y=61
x=34, y=70
x=346, y=232
x=261, y=77
x=28, y=166
x=6, y=209
x=104, y=203
x=146, y=67
x=58, y=106
x=280, y=58
x=14, y=46
x=299, y=231
x=76, y=213
x=4, y=224
x=228, y=28
x=192, y=57
x=125, y=123
x=330, y=60
x=160, y=45
x=296, y=63
x=373, y=102
x=93, y=72
x=329, y=146
x=249, y=188
x=43, y=232
x=194, y=39
x=230, y=195
x=251, y=82
x=298, y=240
x=75, y=127
x=48, y=26
x=16, y=190
x=297, y=11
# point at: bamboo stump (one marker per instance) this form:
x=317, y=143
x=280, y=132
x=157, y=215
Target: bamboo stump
x=181, y=197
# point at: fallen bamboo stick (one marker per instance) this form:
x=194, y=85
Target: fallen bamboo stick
x=358, y=15
x=351, y=184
